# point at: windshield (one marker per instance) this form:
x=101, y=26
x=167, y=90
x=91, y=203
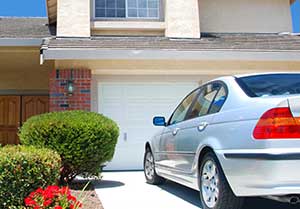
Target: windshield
x=270, y=84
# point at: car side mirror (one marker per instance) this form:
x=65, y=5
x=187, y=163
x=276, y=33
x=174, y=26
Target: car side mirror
x=159, y=121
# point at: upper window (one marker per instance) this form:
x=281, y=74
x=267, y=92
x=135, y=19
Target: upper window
x=270, y=84
x=148, y=9
x=182, y=109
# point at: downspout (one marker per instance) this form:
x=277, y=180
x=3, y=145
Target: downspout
x=43, y=47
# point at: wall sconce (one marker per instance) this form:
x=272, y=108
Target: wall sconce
x=70, y=85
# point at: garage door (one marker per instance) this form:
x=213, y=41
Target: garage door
x=133, y=106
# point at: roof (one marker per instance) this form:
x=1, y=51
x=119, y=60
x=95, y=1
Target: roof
x=23, y=27
x=233, y=42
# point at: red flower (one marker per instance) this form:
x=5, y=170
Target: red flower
x=47, y=202
x=29, y=202
x=72, y=198
x=52, y=195
x=65, y=190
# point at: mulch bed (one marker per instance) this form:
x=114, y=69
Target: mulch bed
x=91, y=201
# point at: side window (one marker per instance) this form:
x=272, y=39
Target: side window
x=182, y=109
x=218, y=101
x=204, y=100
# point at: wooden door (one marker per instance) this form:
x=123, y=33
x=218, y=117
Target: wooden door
x=10, y=111
x=34, y=105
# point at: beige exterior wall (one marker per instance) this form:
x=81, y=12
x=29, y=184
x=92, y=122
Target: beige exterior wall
x=168, y=70
x=73, y=18
x=20, y=69
x=182, y=18
x=177, y=67
x=133, y=28
x=254, y=16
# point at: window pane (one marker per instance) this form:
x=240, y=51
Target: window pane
x=142, y=13
x=111, y=4
x=132, y=3
x=270, y=84
x=110, y=13
x=180, y=112
x=100, y=3
x=100, y=13
x=132, y=12
x=219, y=101
x=135, y=8
x=153, y=4
x=121, y=4
x=142, y=4
x=204, y=100
x=153, y=13
x=121, y=13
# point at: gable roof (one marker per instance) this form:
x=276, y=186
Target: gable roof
x=23, y=27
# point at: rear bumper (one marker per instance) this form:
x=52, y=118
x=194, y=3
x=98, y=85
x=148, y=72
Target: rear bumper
x=261, y=172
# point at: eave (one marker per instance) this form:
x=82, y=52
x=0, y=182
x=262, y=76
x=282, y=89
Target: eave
x=52, y=11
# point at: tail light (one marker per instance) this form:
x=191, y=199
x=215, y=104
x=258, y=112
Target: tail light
x=277, y=123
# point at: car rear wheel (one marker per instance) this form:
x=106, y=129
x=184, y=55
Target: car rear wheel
x=215, y=192
x=149, y=169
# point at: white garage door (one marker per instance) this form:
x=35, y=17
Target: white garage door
x=133, y=106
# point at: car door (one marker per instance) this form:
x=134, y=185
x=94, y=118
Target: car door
x=166, y=155
x=196, y=125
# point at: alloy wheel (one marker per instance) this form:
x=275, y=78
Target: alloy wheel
x=149, y=165
x=210, y=183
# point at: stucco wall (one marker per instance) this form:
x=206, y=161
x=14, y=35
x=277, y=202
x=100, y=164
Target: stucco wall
x=262, y=16
x=182, y=18
x=20, y=69
x=73, y=18
x=177, y=67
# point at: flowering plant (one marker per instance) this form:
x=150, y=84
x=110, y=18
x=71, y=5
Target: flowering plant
x=52, y=197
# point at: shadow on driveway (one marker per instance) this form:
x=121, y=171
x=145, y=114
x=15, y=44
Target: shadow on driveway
x=192, y=196
x=107, y=184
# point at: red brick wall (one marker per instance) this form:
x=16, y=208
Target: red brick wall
x=60, y=100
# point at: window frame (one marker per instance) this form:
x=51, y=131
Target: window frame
x=126, y=18
x=222, y=83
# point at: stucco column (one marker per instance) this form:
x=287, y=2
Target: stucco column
x=73, y=18
x=182, y=19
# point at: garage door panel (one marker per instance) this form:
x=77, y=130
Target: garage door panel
x=133, y=106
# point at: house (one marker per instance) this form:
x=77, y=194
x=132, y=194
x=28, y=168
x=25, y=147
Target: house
x=133, y=59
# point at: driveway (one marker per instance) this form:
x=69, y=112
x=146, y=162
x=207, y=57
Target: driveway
x=128, y=190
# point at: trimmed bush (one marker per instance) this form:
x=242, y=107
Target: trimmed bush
x=23, y=170
x=85, y=140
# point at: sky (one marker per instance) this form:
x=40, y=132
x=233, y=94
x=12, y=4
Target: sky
x=37, y=8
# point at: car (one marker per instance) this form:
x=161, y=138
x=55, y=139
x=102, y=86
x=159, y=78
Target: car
x=231, y=138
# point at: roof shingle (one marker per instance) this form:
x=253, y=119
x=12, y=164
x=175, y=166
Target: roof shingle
x=247, y=42
x=31, y=27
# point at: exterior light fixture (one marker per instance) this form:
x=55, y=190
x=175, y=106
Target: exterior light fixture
x=70, y=85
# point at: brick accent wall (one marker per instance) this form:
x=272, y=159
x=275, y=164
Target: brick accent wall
x=60, y=99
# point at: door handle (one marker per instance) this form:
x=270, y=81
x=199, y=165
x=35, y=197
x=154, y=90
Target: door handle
x=125, y=136
x=175, y=131
x=202, y=126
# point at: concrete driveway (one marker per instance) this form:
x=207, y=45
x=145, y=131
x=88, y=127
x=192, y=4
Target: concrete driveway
x=128, y=190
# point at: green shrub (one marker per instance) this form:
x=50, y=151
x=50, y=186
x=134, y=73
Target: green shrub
x=23, y=170
x=85, y=140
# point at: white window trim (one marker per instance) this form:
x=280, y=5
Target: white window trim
x=160, y=5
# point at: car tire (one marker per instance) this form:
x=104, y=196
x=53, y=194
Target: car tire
x=215, y=192
x=149, y=169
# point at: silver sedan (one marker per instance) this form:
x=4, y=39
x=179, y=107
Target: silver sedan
x=233, y=137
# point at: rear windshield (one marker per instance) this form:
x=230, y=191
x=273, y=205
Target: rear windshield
x=270, y=85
